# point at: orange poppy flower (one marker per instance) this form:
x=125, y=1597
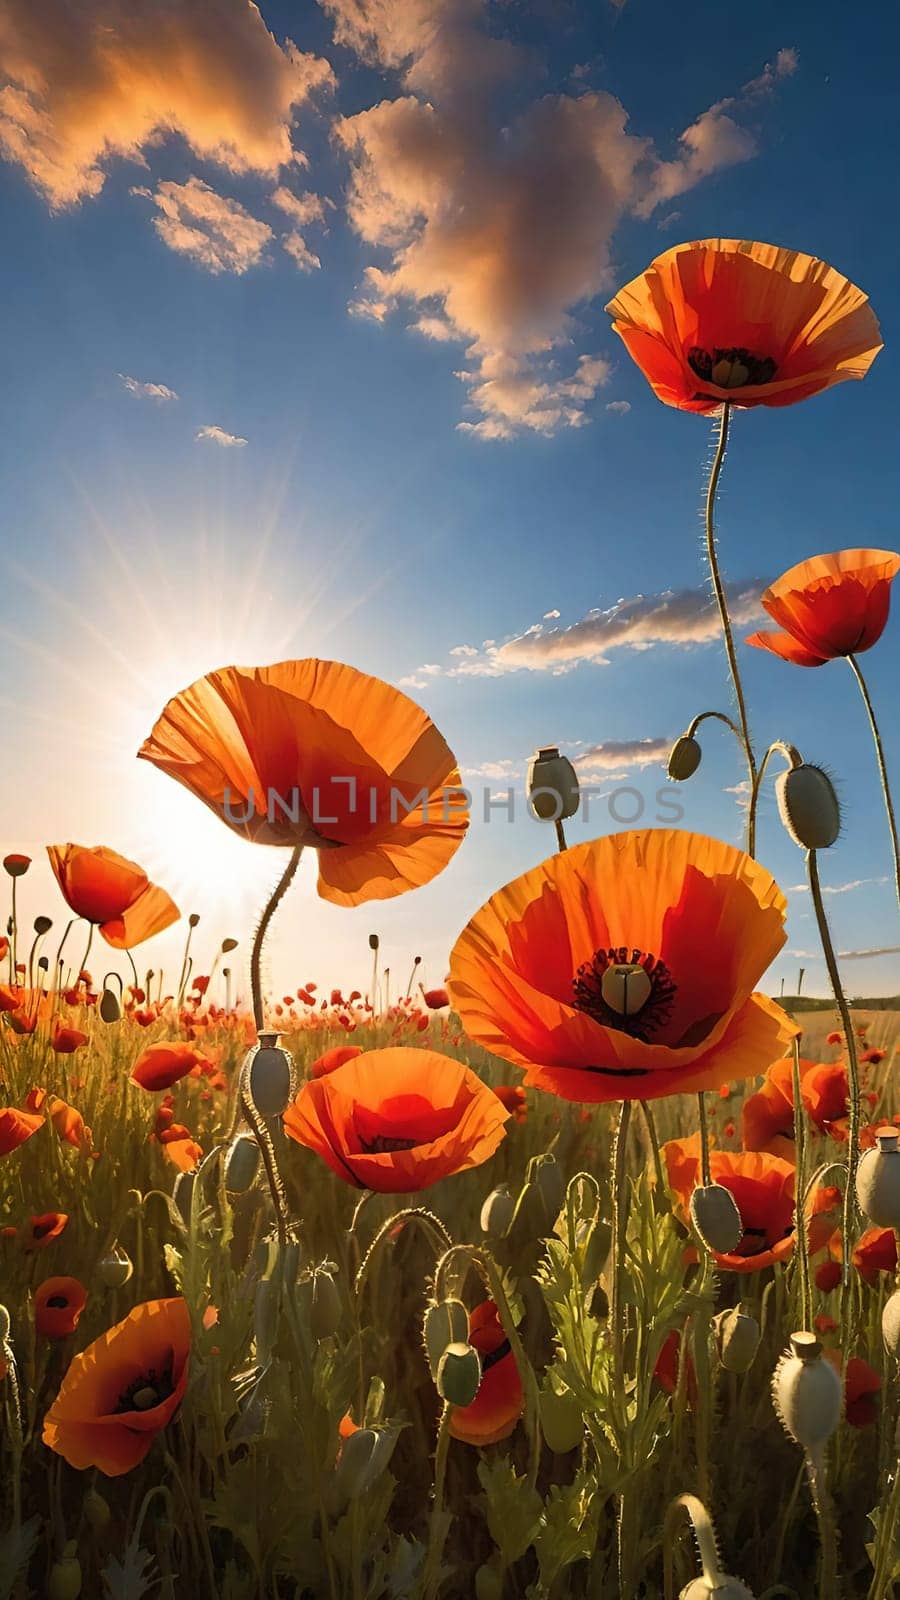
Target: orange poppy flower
x=399, y=1119
x=513, y=1097
x=875, y=1251
x=58, y=1304
x=121, y=1391
x=331, y=1059
x=829, y=606
x=624, y=968
x=315, y=753
x=754, y=324
x=498, y=1404
x=12, y=996
x=165, y=1063
x=15, y=1127
x=767, y=1117
x=861, y=1384
x=180, y=1148
x=112, y=892
x=41, y=1231
x=763, y=1191
x=65, y=1041
x=68, y=1122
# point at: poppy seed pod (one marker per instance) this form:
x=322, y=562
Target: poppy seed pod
x=890, y=1324
x=807, y=1392
x=552, y=785
x=374, y=941
x=808, y=806
x=684, y=758
x=878, y=1182
x=446, y=1322
x=715, y=1216
x=241, y=1164
x=497, y=1213
x=363, y=1458
x=325, y=1305
x=459, y=1374
x=737, y=1339
x=562, y=1422
x=65, y=1575
x=269, y=1076
x=115, y=1268
x=109, y=1007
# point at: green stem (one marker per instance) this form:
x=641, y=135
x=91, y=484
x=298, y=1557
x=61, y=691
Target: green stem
x=800, y=1220
x=852, y=1070
x=435, y=1532
x=256, y=954
x=722, y=603
x=653, y=1136
x=705, y=1172
x=560, y=835
x=882, y=768
x=619, y=1220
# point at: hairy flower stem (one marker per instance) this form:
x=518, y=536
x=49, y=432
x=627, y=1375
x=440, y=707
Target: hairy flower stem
x=852, y=1075
x=724, y=618
x=828, y=1555
x=800, y=1218
x=437, y=1531
x=274, y=899
x=619, y=1220
x=263, y=1138
x=705, y=1172
x=882, y=768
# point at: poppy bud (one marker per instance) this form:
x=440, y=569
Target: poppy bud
x=808, y=807
x=65, y=1575
x=42, y=925
x=878, y=1182
x=593, y=1240
x=364, y=1456
x=374, y=941
x=269, y=1075
x=459, y=1374
x=497, y=1213
x=552, y=785
x=720, y=1587
x=241, y=1164
x=5, y=1325
x=96, y=1511
x=716, y=1218
x=228, y=945
x=562, y=1422
x=109, y=1007
x=807, y=1392
x=890, y=1324
x=193, y=919
x=183, y=1195
x=684, y=758
x=546, y=1173
x=325, y=1305
x=115, y=1268
x=43, y=963
x=446, y=1322
x=17, y=866
x=737, y=1339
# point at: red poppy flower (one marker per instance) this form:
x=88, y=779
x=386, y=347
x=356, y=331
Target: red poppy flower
x=58, y=1304
x=513, y=1097
x=829, y=606
x=122, y=1390
x=732, y=319
x=41, y=1231
x=875, y=1251
x=499, y=1402
x=165, y=1063
x=315, y=753
x=767, y=1117
x=113, y=893
x=397, y=1120
x=65, y=1041
x=668, y=1367
x=625, y=968
x=828, y=1276
x=861, y=1384
x=16, y=865
x=873, y=1057
x=436, y=999
x=15, y=1127
x=763, y=1191
x=331, y=1059
x=12, y=996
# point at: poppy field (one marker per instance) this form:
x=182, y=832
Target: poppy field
x=576, y=1275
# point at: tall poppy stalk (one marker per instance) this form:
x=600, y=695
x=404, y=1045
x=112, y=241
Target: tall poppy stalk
x=855, y=668
x=271, y=906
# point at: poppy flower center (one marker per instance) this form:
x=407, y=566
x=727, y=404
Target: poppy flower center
x=631, y=991
x=147, y=1390
x=730, y=369
x=384, y=1143
x=41, y=1229
x=57, y=1302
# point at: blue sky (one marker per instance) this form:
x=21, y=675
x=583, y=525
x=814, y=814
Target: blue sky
x=358, y=520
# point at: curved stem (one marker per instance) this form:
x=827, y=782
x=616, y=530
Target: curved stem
x=852, y=1065
x=256, y=953
x=793, y=758
x=722, y=603
x=882, y=768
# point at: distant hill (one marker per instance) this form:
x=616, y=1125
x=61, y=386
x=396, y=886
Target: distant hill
x=805, y=1002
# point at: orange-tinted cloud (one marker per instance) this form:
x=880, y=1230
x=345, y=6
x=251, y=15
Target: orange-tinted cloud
x=85, y=83
x=218, y=233
x=498, y=224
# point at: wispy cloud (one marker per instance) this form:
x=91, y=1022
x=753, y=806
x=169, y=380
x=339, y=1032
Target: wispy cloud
x=498, y=227
x=621, y=407
x=216, y=232
x=623, y=755
x=839, y=888
x=303, y=210
x=87, y=83
x=147, y=391
x=214, y=435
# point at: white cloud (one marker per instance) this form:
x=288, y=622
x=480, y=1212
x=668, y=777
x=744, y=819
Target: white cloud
x=303, y=210
x=838, y=888
x=214, y=435
x=218, y=233
x=147, y=391
x=621, y=407
x=550, y=616
x=82, y=84
x=623, y=755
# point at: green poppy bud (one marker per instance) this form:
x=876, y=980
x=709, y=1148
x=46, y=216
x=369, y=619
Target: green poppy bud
x=459, y=1374
x=808, y=807
x=716, y=1217
x=684, y=758
x=497, y=1213
x=325, y=1305
x=115, y=1268
x=446, y=1322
